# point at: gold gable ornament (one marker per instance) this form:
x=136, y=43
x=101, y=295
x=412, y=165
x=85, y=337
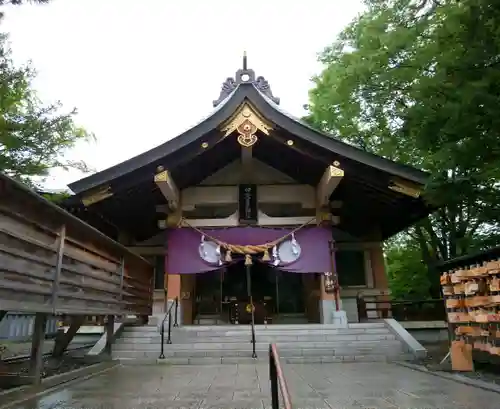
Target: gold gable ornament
x=246, y=121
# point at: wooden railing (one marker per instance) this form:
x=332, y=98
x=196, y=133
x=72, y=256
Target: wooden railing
x=53, y=262
x=401, y=310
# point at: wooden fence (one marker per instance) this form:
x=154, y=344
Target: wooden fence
x=401, y=310
x=52, y=262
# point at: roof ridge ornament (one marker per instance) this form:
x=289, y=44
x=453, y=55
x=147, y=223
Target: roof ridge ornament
x=244, y=76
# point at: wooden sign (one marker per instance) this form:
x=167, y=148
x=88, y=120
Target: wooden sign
x=247, y=199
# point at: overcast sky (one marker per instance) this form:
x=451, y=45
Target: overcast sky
x=141, y=72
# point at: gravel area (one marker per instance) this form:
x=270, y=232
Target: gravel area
x=14, y=349
x=485, y=370
x=51, y=366
x=74, y=359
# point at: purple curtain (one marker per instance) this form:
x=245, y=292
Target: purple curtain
x=183, y=255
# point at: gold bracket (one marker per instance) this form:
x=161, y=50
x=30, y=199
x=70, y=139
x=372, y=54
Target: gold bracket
x=246, y=121
x=97, y=196
x=405, y=188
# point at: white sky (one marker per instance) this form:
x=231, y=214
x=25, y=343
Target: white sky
x=142, y=71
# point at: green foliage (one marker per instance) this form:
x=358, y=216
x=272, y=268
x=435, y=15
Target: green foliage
x=407, y=274
x=419, y=82
x=33, y=136
x=56, y=198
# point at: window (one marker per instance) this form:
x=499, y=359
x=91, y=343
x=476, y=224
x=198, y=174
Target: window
x=350, y=267
x=159, y=272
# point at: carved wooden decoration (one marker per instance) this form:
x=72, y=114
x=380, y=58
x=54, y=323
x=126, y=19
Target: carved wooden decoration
x=168, y=188
x=97, y=195
x=406, y=188
x=242, y=76
x=246, y=121
x=328, y=183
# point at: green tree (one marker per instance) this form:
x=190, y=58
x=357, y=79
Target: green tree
x=33, y=137
x=418, y=82
x=407, y=274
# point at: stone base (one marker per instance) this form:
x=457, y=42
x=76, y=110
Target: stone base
x=326, y=309
x=339, y=319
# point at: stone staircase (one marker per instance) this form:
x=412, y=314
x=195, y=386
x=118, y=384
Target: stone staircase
x=302, y=343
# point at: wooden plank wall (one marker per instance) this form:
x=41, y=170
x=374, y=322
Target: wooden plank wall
x=52, y=262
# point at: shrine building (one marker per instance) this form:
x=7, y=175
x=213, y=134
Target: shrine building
x=252, y=206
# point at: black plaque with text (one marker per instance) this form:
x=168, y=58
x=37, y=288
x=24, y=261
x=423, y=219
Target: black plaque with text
x=248, y=203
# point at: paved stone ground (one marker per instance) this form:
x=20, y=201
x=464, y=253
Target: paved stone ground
x=340, y=386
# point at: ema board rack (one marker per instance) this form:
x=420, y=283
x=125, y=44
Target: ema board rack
x=472, y=298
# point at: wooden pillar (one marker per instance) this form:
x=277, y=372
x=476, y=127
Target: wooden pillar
x=110, y=333
x=188, y=282
x=63, y=340
x=378, y=267
x=380, y=281
x=36, y=358
x=174, y=291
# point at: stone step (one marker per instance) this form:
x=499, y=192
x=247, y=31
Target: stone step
x=180, y=336
x=124, y=345
x=247, y=352
x=284, y=327
x=141, y=329
x=179, y=339
x=263, y=359
x=276, y=331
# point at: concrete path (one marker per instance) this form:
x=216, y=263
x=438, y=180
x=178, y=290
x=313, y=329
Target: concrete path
x=340, y=386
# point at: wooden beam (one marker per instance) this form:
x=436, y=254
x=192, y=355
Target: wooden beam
x=328, y=183
x=168, y=188
x=148, y=250
x=110, y=334
x=36, y=361
x=97, y=195
x=162, y=208
x=406, y=188
x=246, y=165
x=63, y=340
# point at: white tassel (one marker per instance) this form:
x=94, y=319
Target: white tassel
x=295, y=249
x=276, y=257
x=203, y=246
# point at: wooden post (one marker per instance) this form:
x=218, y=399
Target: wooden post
x=36, y=361
x=63, y=341
x=57, y=271
x=110, y=332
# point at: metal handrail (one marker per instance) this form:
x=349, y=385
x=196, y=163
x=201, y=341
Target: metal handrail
x=278, y=381
x=253, y=341
x=162, y=330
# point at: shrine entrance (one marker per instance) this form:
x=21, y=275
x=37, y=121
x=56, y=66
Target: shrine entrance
x=225, y=293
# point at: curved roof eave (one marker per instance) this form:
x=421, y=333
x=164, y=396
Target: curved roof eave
x=270, y=111
x=223, y=111
x=298, y=127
